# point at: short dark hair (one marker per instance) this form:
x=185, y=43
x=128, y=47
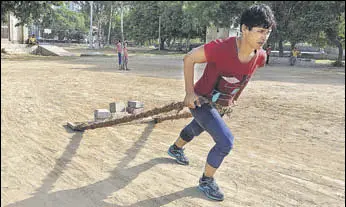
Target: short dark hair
x=258, y=15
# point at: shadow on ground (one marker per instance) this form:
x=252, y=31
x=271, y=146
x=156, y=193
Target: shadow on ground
x=94, y=194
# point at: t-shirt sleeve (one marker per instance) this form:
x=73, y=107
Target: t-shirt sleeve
x=211, y=50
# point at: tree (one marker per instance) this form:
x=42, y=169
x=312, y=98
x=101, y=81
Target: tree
x=65, y=23
x=191, y=27
x=327, y=17
x=111, y=12
x=171, y=20
x=287, y=14
x=316, y=22
x=28, y=12
x=143, y=20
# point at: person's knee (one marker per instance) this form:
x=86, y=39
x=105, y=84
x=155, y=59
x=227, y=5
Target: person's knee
x=186, y=135
x=225, y=150
x=226, y=145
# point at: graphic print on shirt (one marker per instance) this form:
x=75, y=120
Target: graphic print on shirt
x=227, y=87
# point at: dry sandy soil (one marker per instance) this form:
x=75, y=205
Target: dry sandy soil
x=289, y=130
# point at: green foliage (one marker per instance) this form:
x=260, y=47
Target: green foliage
x=143, y=21
x=324, y=16
x=28, y=12
x=192, y=26
x=220, y=13
x=287, y=14
x=320, y=23
x=179, y=19
x=327, y=17
x=65, y=23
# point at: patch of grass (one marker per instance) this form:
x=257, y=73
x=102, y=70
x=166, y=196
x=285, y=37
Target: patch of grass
x=324, y=61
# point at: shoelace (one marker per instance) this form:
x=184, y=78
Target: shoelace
x=212, y=184
x=181, y=153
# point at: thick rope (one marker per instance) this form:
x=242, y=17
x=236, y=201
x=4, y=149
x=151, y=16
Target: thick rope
x=170, y=107
x=81, y=126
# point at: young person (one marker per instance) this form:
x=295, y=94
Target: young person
x=295, y=53
x=231, y=62
x=119, y=50
x=268, y=51
x=32, y=40
x=126, y=56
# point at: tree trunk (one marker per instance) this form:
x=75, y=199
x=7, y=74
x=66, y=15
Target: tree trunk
x=281, y=48
x=169, y=42
x=162, y=43
x=339, y=45
x=110, y=23
x=333, y=37
x=91, y=25
x=98, y=33
x=293, y=44
x=187, y=44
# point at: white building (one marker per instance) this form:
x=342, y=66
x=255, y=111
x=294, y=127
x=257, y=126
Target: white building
x=221, y=33
x=12, y=34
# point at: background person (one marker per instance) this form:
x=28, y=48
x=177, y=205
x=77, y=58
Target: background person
x=295, y=53
x=119, y=50
x=126, y=56
x=32, y=40
x=268, y=51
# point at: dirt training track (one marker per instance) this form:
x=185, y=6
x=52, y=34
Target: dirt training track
x=289, y=129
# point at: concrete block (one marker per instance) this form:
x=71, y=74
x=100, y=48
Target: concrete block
x=117, y=107
x=134, y=110
x=101, y=114
x=135, y=104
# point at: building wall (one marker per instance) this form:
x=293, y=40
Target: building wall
x=11, y=33
x=214, y=33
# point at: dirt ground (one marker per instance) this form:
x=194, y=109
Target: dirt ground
x=289, y=130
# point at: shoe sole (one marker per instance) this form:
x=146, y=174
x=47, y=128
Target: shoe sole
x=179, y=162
x=209, y=196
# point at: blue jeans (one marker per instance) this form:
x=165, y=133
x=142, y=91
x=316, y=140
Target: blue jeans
x=207, y=118
x=293, y=60
x=119, y=56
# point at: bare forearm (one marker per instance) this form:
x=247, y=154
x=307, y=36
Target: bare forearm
x=190, y=59
x=189, y=74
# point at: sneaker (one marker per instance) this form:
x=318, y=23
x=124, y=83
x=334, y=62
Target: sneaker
x=210, y=188
x=179, y=155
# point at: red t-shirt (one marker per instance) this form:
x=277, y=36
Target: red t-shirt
x=268, y=50
x=224, y=73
